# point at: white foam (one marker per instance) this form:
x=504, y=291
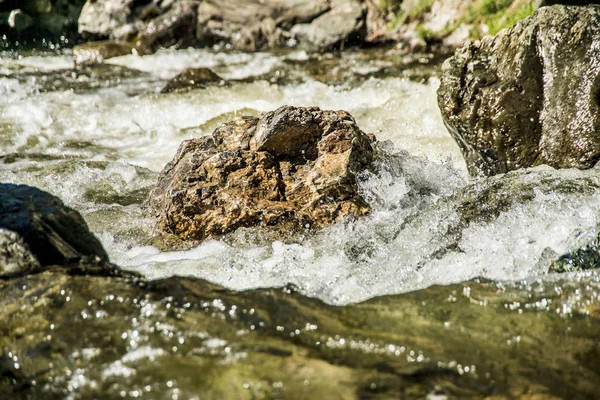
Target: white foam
x=390, y=251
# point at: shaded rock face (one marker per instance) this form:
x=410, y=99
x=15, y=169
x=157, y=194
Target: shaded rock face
x=528, y=96
x=291, y=168
x=247, y=25
x=147, y=24
x=51, y=19
x=54, y=233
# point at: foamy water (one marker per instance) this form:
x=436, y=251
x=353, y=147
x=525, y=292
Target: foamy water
x=100, y=149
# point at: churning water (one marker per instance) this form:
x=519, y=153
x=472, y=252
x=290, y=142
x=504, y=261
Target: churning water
x=98, y=138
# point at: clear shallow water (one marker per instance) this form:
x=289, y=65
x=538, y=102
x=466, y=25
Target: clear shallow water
x=99, y=138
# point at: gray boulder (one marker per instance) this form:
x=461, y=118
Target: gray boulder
x=55, y=233
x=528, y=96
x=345, y=22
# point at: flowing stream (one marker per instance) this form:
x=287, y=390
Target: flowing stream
x=98, y=138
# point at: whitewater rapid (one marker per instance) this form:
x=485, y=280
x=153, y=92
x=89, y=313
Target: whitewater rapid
x=98, y=140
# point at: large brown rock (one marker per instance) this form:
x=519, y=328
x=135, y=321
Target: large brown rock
x=291, y=168
x=528, y=96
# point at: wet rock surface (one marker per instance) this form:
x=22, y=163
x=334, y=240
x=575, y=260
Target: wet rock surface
x=529, y=95
x=193, y=78
x=292, y=168
x=96, y=52
x=54, y=233
x=104, y=334
x=503, y=196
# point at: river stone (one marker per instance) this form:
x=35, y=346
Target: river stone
x=294, y=167
x=96, y=52
x=247, y=25
x=528, y=96
x=192, y=78
x=55, y=233
x=345, y=22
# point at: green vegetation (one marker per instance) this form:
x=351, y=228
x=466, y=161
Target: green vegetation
x=494, y=14
x=508, y=18
x=412, y=10
x=424, y=33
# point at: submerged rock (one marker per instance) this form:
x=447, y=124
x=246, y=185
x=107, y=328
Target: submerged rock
x=193, y=78
x=106, y=334
x=294, y=167
x=55, y=233
x=528, y=96
x=587, y=256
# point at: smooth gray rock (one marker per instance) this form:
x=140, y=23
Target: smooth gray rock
x=528, y=96
x=344, y=23
x=55, y=233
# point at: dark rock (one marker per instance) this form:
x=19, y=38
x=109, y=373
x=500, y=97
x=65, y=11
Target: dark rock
x=528, y=96
x=176, y=27
x=580, y=259
x=54, y=20
x=55, y=234
x=193, y=78
x=293, y=167
x=96, y=52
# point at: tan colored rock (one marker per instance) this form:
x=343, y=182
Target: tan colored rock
x=93, y=53
x=291, y=168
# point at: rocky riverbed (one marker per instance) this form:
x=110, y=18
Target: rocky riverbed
x=350, y=254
